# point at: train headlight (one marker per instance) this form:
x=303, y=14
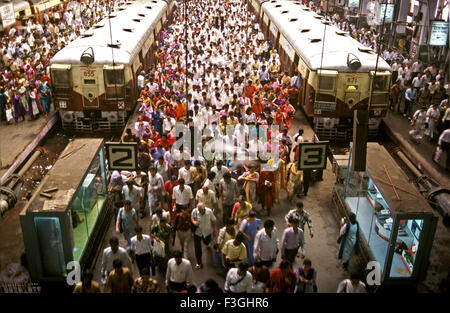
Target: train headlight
x=63, y=104
x=121, y=105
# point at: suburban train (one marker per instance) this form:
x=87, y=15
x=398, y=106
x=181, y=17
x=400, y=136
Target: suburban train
x=93, y=78
x=339, y=74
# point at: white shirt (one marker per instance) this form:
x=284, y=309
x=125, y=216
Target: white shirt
x=186, y=175
x=204, y=228
x=179, y=273
x=182, y=197
x=346, y=286
x=141, y=247
x=265, y=248
x=445, y=136
x=108, y=258
x=245, y=285
x=219, y=173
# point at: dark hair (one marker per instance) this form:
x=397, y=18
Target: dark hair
x=299, y=204
x=227, y=175
x=145, y=271
x=240, y=237
x=243, y=266
x=285, y=264
x=252, y=214
x=177, y=254
x=230, y=222
x=186, y=162
x=258, y=264
x=307, y=262
x=355, y=276
x=269, y=224
x=293, y=220
x=117, y=263
x=197, y=163
x=211, y=175
x=138, y=229
x=212, y=285
x=127, y=202
x=181, y=181
x=114, y=240
x=352, y=218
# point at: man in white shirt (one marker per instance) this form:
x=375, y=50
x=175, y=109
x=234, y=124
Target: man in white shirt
x=219, y=169
x=114, y=252
x=352, y=285
x=141, y=81
x=179, y=273
x=205, y=222
x=266, y=244
x=207, y=197
x=142, y=247
x=239, y=280
x=186, y=173
x=444, y=143
x=182, y=195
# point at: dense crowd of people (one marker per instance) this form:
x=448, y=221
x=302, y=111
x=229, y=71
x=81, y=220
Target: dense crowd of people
x=226, y=74
x=26, y=52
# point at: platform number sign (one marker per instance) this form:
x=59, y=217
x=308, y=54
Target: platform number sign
x=312, y=155
x=122, y=156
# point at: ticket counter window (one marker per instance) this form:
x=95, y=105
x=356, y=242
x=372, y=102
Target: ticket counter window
x=87, y=204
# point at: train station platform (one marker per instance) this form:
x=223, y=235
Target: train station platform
x=15, y=138
x=322, y=249
x=420, y=154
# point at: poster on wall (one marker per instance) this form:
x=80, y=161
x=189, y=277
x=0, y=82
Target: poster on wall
x=353, y=3
x=439, y=33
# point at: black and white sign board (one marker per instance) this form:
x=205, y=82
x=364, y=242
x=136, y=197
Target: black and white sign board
x=122, y=156
x=313, y=155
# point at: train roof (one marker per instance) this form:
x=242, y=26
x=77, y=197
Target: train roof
x=304, y=30
x=131, y=26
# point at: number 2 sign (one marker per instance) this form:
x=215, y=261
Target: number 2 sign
x=312, y=155
x=122, y=156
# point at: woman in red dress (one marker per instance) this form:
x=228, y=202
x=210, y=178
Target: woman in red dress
x=267, y=190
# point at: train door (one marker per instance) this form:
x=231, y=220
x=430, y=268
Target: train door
x=304, y=99
x=90, y=87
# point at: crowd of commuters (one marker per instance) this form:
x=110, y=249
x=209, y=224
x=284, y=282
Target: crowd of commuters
x=226, y=74
x=26, y=51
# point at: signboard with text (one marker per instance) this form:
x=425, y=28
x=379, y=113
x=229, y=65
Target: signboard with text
x=387, y=9
x=439, y=33
x=353, y=3
x=312, y=155
x=122, y=156
x=7, y=15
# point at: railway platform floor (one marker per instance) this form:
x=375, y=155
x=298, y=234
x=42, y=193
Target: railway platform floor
x=15, y=138
x=321, y=249
x=418, y=153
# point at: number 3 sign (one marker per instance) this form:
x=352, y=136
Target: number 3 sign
x=312, y=155
x=122, y=156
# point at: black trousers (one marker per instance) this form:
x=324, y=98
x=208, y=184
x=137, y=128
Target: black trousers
x=290, y=254
x=177, y=287
x=226, y=214
x=144, y=261
x=198, y=246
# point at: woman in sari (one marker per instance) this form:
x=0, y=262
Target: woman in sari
x=267, y=190
x=279, y=168
x=251, y=179
x=294, y=179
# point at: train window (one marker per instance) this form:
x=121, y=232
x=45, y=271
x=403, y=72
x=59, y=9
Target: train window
x=326, y=83
x=313, y=40
x=130, y=30
x=61, y=78
x=87, y=35
x=380, y=83
x=149, y=7
x=141, y=15
x=137, y=20
x=114, y=77
x=99, y=26
x=305, y=30
x=278, y=6
x=293, y=19
x=284, y=12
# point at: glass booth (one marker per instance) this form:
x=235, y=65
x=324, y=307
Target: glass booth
x=396, y=223
x=65, y=218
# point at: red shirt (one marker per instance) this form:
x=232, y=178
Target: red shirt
x=165, y=143
x=282, y=284
x=250, y=90
x=168, y=187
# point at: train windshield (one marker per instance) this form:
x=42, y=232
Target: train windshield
x=326, y=83
x=380, y=82
x=61, y=78
x=114, y=77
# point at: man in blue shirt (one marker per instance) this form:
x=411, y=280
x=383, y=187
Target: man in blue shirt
x=158, y=152
x=410, y=98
